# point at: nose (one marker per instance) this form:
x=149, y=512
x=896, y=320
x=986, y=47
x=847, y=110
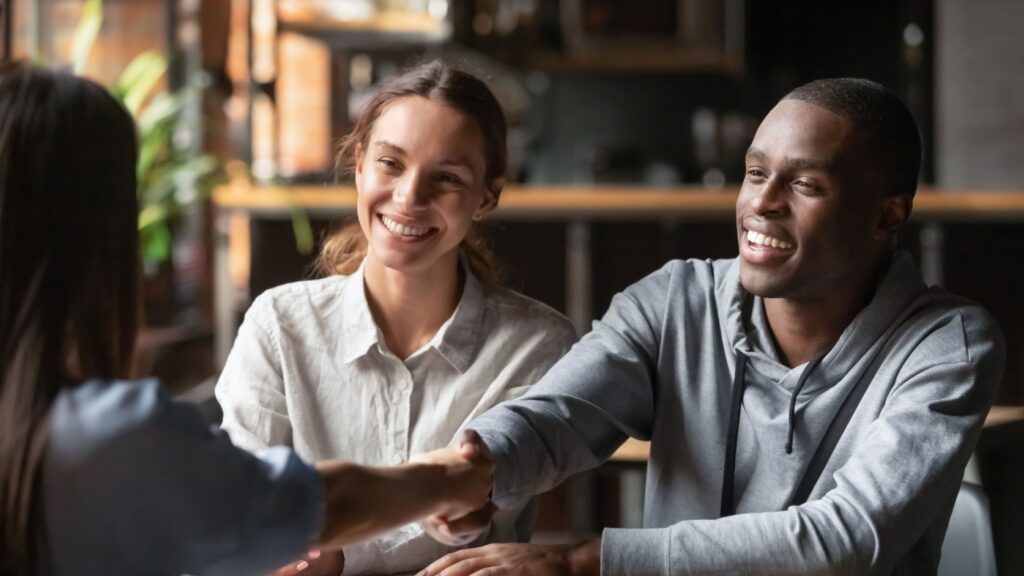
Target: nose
x=411, y=190
x=769, y=199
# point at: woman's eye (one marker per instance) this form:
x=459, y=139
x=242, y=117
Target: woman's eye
x=387, y=163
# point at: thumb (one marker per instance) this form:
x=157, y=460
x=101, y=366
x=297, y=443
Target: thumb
x=471, y=446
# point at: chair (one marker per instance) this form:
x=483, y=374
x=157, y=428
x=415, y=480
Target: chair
x=967, y=548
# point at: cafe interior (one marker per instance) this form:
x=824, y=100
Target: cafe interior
x=628, y=123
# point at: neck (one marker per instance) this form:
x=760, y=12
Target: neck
x=805, y=327
x=410, y=307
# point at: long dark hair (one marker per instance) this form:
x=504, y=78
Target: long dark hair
x=344, y=249
x=68, y=272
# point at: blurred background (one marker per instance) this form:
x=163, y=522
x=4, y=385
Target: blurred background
x=241, y=102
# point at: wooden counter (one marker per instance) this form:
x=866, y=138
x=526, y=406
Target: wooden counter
x=613, y=203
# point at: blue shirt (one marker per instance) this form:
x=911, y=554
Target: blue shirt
x=133, y=483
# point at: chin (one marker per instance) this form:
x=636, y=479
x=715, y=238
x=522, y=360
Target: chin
x=760, y=284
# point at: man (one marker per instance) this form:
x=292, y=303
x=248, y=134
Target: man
x=811, y=404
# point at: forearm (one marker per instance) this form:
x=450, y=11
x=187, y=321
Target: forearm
x=363, y=501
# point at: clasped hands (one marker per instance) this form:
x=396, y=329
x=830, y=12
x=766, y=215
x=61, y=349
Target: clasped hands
x=457, y=528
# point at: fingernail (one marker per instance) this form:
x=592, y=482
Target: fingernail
x=301, y=566
x=314, y=554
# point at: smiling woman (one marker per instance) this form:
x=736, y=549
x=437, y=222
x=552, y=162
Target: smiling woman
x=481, y=145
x=409, y=335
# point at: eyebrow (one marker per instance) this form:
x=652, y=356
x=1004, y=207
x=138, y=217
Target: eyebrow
x=793, y=163
x=389, y=146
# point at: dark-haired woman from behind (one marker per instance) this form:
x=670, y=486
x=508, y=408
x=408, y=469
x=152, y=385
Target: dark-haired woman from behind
x=103, y=475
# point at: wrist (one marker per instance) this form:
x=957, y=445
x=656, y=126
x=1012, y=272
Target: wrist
x=584, y=559
x=432, y=485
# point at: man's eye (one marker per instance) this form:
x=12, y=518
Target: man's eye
x=755, y=173
x=448, y=178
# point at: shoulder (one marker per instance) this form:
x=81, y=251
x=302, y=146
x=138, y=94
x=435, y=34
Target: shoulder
x=682, y=279
x=948, y=328
x=299, y=300
x=109, y=420
x=512, y=310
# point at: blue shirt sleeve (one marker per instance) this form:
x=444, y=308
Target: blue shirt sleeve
x=134, y=483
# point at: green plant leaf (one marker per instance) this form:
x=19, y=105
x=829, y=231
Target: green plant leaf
x=138, y=80
x=302, y=230
x=155, y=240
x=151, y=215
x=86, y=31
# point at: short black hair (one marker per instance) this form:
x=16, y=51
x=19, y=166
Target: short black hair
x=892, y=140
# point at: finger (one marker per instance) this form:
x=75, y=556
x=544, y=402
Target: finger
x=441, y=534
x=476, y=521
x=446, y=561
x=468, y=566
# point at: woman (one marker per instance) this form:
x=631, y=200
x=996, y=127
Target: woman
x=409, y=335
x=100, y=475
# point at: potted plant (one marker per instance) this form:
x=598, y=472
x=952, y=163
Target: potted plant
x=172, y=176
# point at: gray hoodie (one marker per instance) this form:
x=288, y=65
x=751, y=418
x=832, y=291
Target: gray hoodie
x=659, y=366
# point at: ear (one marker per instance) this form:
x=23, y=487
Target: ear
x=489, y=201
x=359, y=159
x=894, y=212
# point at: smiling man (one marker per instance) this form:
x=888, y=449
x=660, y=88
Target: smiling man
x=811, y=404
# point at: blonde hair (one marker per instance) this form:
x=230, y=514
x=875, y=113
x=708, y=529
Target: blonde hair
x=344, y=248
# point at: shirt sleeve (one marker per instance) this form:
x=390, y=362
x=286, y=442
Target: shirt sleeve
x=599, y=393
x=251, y=389
x=906, y=465
x=135, y=483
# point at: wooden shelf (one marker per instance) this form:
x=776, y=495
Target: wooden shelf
x=668, y=61
x=382, y=28
x=613, y=203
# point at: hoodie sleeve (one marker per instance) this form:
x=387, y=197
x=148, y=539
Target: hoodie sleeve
x=575, y=417
x=903, y=472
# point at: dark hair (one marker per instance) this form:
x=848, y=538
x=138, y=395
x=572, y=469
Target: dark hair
x=892, y=141
x=345, y=248
x=68, y=272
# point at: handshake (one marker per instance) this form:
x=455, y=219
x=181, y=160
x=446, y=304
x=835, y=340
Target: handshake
x=449, y=489
x=468, y=510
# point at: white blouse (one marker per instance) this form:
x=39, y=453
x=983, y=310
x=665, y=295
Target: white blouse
x=310, y=370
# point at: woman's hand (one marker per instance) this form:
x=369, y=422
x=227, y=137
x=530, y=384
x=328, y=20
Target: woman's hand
x=316, y=563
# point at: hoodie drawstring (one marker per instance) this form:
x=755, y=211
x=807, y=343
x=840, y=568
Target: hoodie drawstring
x=796, y=392
x=739, y=384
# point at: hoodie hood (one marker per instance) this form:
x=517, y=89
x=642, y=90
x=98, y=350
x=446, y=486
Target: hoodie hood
x=746, y=326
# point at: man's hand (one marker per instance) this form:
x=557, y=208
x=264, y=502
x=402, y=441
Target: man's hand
x=458, y=531
x=462, y=530
x=316, y=563
x=467, y=480
x=526, y=559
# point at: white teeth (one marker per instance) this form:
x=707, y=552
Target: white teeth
x=402, y=229
x=765, y=240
